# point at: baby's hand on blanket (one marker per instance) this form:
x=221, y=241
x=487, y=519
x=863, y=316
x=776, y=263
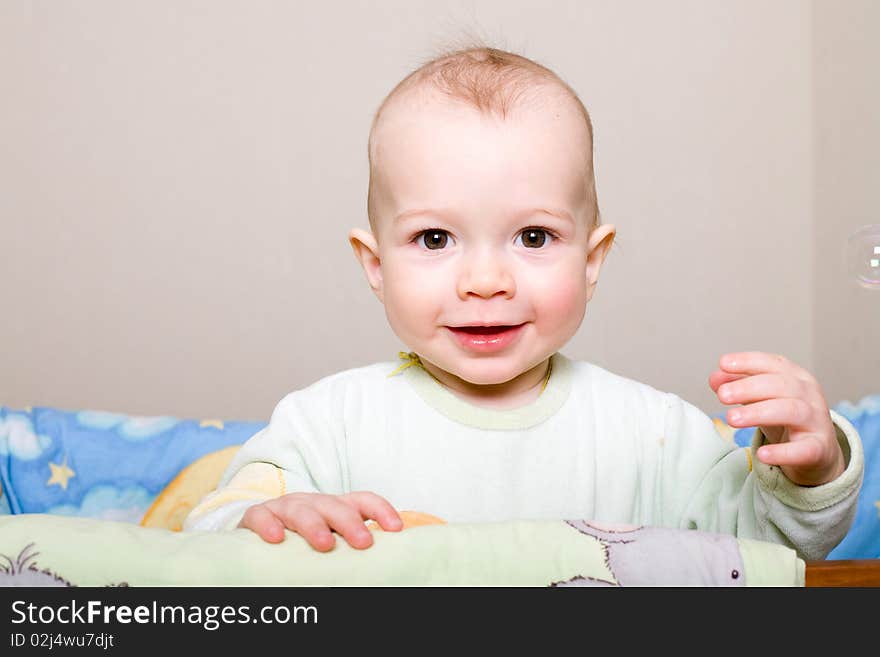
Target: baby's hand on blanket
x=787, y=404
x=315, y=515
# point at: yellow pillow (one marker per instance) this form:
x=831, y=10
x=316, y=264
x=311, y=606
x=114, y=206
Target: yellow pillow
x=186, y=490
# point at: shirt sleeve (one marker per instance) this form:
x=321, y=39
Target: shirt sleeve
x=300, y=450
x=740, y=495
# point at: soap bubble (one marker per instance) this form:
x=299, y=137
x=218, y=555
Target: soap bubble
x=863, y=256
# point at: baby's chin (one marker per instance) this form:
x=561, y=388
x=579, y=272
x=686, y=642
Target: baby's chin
x=486, y=373
x=489, y=379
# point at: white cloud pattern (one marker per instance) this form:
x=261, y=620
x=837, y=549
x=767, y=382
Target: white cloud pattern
x=129, y=427
x=869, y=404
x=17, y=438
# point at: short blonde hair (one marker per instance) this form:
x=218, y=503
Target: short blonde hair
x=492, y=81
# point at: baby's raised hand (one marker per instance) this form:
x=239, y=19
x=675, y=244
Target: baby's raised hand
x=787, y=404
x=314, y=515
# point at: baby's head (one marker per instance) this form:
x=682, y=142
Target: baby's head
x=486, y=243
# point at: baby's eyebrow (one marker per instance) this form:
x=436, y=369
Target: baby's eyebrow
x=559, y=213
x=406, y=214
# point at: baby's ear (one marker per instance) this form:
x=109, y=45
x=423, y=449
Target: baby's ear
x=366, y=250
x=598, y=246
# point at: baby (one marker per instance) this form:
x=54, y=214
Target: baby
x=485, y=248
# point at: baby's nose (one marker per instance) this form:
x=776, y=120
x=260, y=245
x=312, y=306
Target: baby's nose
x=486, y=275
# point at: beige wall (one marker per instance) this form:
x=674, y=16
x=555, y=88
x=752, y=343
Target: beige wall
x=178, y=179
x=847, y=192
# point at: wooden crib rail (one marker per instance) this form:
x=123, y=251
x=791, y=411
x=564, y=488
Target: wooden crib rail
x=843, y=572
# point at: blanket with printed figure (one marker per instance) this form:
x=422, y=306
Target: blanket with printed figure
x=43, y=550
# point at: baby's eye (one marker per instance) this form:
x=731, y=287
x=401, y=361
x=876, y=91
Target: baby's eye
x=534, y=238
x=433, y=239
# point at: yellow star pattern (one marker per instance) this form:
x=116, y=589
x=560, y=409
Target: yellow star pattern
x=217, y=424
x=60, y=474
x=877, y=504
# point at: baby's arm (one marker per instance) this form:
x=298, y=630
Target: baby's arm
x=711, y=485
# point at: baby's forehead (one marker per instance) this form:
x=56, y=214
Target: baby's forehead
x=436, y=150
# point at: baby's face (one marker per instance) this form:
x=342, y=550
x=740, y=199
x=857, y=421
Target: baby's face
x=482, y=227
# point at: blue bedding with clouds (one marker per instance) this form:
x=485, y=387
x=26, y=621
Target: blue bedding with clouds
x=100, y=465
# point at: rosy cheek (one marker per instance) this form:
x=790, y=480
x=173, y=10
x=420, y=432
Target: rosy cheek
x=559, y=302
x=412, y=301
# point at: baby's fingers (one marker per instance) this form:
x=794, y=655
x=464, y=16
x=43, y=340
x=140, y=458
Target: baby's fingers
x=305, y=521
x=720, y=377
x=756, y=362
x=371, y=505
x=805, y=453
x=264, y=523
x=345, y=520
x=786, y=412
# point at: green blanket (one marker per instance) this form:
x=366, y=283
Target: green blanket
x=46, y=550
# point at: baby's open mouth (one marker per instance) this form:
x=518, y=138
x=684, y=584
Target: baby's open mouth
x=487, y=339
x=485, y=330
